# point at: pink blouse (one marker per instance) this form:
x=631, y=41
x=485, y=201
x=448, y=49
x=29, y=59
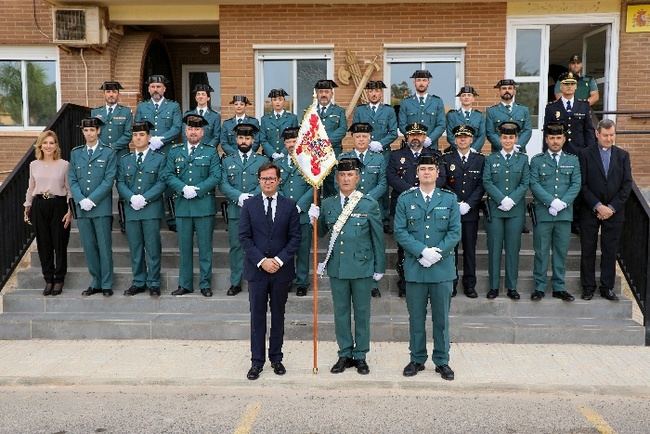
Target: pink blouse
x=47, y=177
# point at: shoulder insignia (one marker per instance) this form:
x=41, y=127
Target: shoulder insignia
x=444, y=190
x=78, y=147
x=128, y=154
x=209, y=145
x=177, y=145
x=451, y=111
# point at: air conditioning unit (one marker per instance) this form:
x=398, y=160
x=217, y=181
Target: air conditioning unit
x=79, y=26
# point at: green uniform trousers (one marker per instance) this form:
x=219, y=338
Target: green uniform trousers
x=547, y=236
x=95, y=234
x=186, y=227
x=303, y=258
x=348, y=294
x=143, y=237
x=236, y=253
x=417, y=297
x=504, y=233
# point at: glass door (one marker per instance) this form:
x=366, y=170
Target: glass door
x=595, y=55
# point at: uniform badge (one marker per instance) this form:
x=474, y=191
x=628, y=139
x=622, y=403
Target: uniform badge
x=412, y=206
x=402, y=160
x=557, y=115
x=452, y=167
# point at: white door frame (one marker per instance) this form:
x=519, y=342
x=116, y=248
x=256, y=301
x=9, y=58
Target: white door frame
x=612, y=19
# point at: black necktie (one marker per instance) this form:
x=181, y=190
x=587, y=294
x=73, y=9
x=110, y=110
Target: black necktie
x=555, y=157
x=345, y=201
x=507, y=157
x=464, y=160
x=361, y=157
x=156, y=105
x=239, y=121
x=416, y=155
x=322, y=111
x=90, y=153
x=467, y=115
x=421, y=100
x=139, y=162
x=245, y=159
x=374, y=108
x=508, y=107
x=192, y=148
x=568, y=106
x=427, y=199
x=269, y=210
x=201, y=112
x=277, y=116
x=110, y=111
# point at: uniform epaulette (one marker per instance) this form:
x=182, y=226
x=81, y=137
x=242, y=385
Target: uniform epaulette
x=413, y=188
x=176, y=145
x=444, y=190
x=451, y=111
x=582, y=100
x=127, y=154
x=208, y=145
x=106, y=145
x=77, y=147
x=495, y=105
x=449, y=150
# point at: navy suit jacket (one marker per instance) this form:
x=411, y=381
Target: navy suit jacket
x=261, y=240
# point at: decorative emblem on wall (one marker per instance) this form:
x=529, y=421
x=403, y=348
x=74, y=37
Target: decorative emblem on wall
x=351, y=70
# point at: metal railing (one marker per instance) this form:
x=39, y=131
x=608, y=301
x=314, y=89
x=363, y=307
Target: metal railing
x=15, y=234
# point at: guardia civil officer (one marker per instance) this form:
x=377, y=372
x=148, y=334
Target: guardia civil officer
x=466, y=115
x=506, y=176
x=354, y=261
x=91, y=174
x=274, y=123
x=507, y=110
x=192, y=172
x=228, y=136
x=212, y=131
x=238, y=183
x=423, y=108
x=555, y=181
x=465, y=178
x=586, y=87
x=117, y=119
x=140, y=184
x=427, y=226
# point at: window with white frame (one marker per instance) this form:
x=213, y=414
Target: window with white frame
x=29, y=87
x=444, y=61
x=294, y=69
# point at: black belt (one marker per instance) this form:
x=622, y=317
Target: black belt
x=48, y=196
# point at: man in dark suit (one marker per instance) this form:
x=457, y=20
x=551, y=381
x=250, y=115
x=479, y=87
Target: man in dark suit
x=401, y=174
x=269, y=232
x=606, y=185
x=465, y=178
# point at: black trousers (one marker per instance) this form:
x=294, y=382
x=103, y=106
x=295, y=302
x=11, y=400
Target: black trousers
x=51, y=237
x=610, y=234
x=261, y=294
x=469, y=233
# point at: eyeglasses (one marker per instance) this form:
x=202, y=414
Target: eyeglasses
x=268, y=179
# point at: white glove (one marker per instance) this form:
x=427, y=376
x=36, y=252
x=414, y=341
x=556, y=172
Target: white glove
x=432, y=254
x=517, y=148
x=375, y=146
x=298, y=208
x=425, y=263
x=558, y=204
x=473, y=150
x=137, y=202
x=242, y=198
x=277, y=155
x=552, y=211
x=189, y=192
x=314, y=212
x=155, y=142
x=507, y=204
x=427, y=142
x=377, y=276
x=86, y=204
x=320, y=269
x=464, y=208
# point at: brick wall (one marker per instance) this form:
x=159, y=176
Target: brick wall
x=482, y=26
x=633, y=91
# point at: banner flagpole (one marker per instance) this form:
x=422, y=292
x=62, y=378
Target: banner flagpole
x=315, y=284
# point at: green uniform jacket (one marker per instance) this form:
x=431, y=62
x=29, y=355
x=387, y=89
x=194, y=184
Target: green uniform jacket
x=497, y=114
x=201, y=170
x=93, y=179
x=384, y=123
x=550, y=181
x=586, y=85
x=116, y=131
x=418, y=226
x=431, y=114
x=146, y=180
x=294, y=186
x=503, y=178
x=373, y=173
x=229, y=139
x=212, y=131
x=476, y=120
x=359, y=248
x=167, y=121
x=271, y=132
x=336, y=126
x=237, y=179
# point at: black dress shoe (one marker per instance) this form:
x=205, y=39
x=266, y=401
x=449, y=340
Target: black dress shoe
x=254, y=372
x=608, y=294
x=91, y=291
x=445, y=372
x=412, y=369
x=493, y=293
x=341, y=364
x=537, y=295
x=48, y=288
x=564, y=295
x=181, y=291
x=278, y=368
x=207, y=292
x=587, y=295
x=362, y=367
x=401, y=288
x=107, y=292
x=525, y=230
x=454, y=292
x=154, y=292
x=388, y=229
x=133, y=290
x=375, y=293
x=234, y=290
x=471, y=293
x=172, y=228
x=513, y=294
x=301, y=291
x=57, y=289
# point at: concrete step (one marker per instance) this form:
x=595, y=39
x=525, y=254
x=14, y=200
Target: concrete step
x=79, y=279
x=170, y=257
x=220, y=239
x=299, y=327
x=32, y=301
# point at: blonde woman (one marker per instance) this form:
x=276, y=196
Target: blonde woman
x=46, y=207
